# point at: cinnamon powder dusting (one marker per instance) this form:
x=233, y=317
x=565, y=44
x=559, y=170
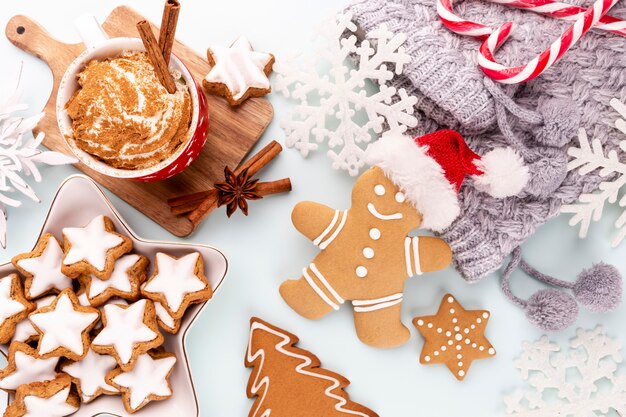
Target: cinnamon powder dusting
x=122, y=114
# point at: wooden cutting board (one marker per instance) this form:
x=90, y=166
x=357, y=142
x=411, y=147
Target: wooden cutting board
x=232, y=133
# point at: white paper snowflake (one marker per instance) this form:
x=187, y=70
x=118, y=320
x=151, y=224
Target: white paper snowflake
x=19, y=156
x=582, y=382
x=334, y=102
x=589, y=157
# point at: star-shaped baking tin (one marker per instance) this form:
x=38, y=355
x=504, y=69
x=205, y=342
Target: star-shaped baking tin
x=79, y=200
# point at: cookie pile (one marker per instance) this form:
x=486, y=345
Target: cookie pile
x=83, y=319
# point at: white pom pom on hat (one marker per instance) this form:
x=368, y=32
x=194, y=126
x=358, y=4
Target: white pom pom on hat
x=430, y=170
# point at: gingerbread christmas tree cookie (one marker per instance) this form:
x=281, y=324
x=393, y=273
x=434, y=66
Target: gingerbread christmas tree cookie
x=41, y=268
x=454, y=337
x=238, y=72
x=287, y=381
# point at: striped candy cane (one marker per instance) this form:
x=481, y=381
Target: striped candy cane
x=539, y=64
x=565, y=11
x=550, y=8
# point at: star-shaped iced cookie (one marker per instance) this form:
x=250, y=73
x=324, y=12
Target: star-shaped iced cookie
x=14, y=307
x=165, y=320
x=129, y=273
x=25, y=366
x=41, y=268
x=45, y=399
x=177, y=283
x=238, y=72
x=93, y=248
x=147, y=381
x=89, y=375
x=454, y=337
x=64, y=327
x=24, y=331
x=128, y=332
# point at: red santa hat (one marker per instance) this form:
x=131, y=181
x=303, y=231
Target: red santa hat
x=430, y=170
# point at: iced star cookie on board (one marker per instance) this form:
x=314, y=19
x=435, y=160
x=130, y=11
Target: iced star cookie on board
x=53, y=398
x=14, y=307
x=89, y=375
x=128, y=332
x=129, y=273
x=64, y=327
x=454, y=337
x=238, y=72
x=287, y=381
x=24, y=366
x=177, y=283
x=148, y=381
x=93, y=249
x=41, y=268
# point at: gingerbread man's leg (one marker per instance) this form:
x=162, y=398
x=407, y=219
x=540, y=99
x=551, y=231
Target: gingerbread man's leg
x=378, y=323
x=311, y=295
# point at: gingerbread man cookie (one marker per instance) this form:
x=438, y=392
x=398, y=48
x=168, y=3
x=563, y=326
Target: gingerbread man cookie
x=454, y=337
x=366, y=256
x=53, y=398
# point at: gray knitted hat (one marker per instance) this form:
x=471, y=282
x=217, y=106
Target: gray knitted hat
x=538, y=118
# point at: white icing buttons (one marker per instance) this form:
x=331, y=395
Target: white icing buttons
x=400, y=197
x=361, y=271
x=374, y=233
x=379, y=189
x=368, y=253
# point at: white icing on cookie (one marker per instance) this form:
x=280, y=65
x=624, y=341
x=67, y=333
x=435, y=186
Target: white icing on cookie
x=175, y=279
x=147, y=378
x=90, y=243
x=239, y=68
x=91, y=371
x=54, y=406
x=29, y=369
x=63, y=327
x=24, y=329
x=46, y=270
x=124, y=329
x=119, y=278
x=364, y=306
x=302, y=368
x=372, y=209
x=9, y=307
x=164, y=316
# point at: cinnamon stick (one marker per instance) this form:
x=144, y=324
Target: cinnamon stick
x=168, y=28
x=154, y=53
x=254, y=165
x=188, y=203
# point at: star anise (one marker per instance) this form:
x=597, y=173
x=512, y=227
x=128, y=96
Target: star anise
x=236, y=190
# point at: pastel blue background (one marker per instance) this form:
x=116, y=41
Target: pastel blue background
x=264, y=248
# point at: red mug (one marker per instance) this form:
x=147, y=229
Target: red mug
x=99, y=46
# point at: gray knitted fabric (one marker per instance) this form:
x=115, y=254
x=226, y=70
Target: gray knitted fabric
x=538, y=118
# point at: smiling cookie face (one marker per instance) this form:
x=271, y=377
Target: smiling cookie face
x=376, y=193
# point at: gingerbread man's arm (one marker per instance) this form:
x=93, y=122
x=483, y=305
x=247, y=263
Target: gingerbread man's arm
x=318, y=222
x=426, y=254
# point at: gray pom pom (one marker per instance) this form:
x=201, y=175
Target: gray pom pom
x=561, y=120
x=547, y=172
x=551, y=309
x=599, y=288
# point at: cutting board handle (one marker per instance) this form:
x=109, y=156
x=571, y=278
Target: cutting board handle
x=31, y=37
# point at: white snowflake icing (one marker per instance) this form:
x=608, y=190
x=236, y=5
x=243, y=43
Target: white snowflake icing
x=582, y=382
x=589, y=157
x=334, y=103
x=18, y=157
